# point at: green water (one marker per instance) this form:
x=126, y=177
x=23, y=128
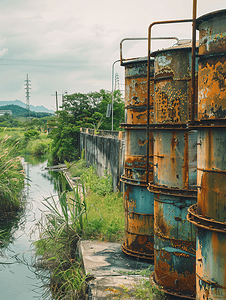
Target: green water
x=18, y=280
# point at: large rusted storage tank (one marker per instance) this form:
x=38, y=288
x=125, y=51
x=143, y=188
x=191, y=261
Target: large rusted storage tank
x=139, y=204
x=174, y=186
x=209, y=215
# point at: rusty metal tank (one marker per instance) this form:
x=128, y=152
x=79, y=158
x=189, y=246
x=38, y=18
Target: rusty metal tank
x=175, y=160
x=212, y=66
x=136, y=92
x=209, y=215
x=173, y=84
x=139, y=204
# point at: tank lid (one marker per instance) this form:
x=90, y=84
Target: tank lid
x=134, y=60
x=181, y=44
x=209, y=16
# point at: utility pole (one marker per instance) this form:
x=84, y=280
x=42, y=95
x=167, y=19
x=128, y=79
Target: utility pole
x=27, y=93
x=56, y=95
x=112, y=91
x=56, y=103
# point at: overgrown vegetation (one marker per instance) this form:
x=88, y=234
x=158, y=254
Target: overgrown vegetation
x=142, y=290
x=58, y=247
x=11, y=176
x=84, y=212
x=82, y=110
x=18, y=111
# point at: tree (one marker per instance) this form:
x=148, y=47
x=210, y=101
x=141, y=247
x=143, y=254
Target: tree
x=82, y=110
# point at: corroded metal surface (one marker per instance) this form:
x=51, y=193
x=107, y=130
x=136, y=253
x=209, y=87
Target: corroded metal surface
x=174, y=244
x=211, y=174
x=209, y=214
x=175, y=158
x=211, y=265
x=210, y=256
x=173, y=85
x=139, y=221
x=135, y=157
x=175, y=161
x=212, y=66
x=139, y=203
x=136, y=91
x=212, y=88
x=212, y=33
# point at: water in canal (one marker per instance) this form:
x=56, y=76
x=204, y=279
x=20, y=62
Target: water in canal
x=17, y=277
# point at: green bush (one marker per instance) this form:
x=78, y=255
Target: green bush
x=99, y=185
x=31, y=134
x=40, y=148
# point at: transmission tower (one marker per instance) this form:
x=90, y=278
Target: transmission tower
x=116, y=81
x=27, y=93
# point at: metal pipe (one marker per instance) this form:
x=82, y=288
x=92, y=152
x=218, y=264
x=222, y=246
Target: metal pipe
x=193, y=63
x=112, y=89
x=143, y=39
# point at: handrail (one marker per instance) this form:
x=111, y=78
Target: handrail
x=142, y=39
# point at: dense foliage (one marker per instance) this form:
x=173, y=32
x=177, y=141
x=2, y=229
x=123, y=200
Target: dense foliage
x=8, y=121
x=18, y=111
x=82, y=110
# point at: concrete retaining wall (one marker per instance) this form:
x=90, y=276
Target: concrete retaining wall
x=105, y=150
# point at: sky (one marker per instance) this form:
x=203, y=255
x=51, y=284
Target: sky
x=69, y=46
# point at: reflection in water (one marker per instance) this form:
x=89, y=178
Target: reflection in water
x=17, y=276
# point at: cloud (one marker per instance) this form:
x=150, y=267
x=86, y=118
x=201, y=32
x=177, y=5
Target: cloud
x=3, y=51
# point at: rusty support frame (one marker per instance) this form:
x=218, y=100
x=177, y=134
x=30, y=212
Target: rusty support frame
x=193, y=68
x=142, y=39
x=193, y=63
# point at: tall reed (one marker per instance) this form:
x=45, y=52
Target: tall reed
x=58, y=245
x=11, y=175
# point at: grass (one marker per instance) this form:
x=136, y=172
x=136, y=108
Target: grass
x=85, y=212
x=76, y=169
x=11, y=176
x=58, y=246
x=142, y=290
x=36, y=145
x=104, y=218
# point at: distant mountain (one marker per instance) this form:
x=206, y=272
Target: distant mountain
x=22, y=104
x=18, y=111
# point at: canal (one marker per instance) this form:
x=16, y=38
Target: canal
x=18, y=279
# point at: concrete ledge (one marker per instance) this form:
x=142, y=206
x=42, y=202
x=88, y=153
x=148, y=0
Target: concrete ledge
x=110, y=269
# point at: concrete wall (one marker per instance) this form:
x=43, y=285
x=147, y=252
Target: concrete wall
x=105, y=150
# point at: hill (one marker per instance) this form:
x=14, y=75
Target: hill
x=18, y=111
x=39, y=108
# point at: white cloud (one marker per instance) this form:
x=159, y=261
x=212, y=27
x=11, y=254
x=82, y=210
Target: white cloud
x=3, y=51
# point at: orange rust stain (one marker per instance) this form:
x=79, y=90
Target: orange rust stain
x=160, y=226
x=199, y=262
x=136, y=100
x=135, y=167
x=212, y=187
x=212, y=90
x=172, y=101
x=167, y=277
x=215, y=245
x=142, y=143
x=136, y=91
x=139, y=244
x=186, y=163
x=173, y=155
x=142, y=239
x=140, y=224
